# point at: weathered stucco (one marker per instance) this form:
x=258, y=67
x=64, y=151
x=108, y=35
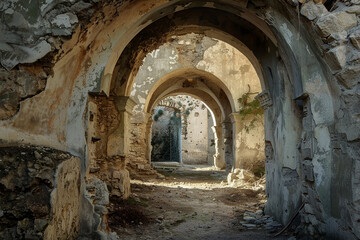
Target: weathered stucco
x=65, y=201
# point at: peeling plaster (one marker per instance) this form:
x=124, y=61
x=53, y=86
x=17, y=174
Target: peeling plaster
x=323, y=137
x=287, y=34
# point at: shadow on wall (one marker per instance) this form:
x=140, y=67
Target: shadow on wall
x=166, y=135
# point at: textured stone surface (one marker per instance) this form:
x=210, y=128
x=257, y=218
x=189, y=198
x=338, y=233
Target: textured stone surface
x=312, y=10
x=349, y=76
x=335, y=22
x=16, y=86
x=336, y=57
x=40, y=193
x=355, y=37
x=65, y=202
x=24, y=34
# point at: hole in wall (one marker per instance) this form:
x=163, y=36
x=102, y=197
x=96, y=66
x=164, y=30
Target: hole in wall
x=330, y=5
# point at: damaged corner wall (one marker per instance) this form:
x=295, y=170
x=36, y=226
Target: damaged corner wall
x=40, y=193
x=324, y=151
x=106, y=138
x=107, y=180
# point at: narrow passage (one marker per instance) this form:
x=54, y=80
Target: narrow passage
x=193, y=202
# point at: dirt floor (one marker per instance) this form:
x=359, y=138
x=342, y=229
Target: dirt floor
x=189, y=203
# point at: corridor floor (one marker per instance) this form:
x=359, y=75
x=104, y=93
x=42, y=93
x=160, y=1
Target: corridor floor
x=189, y=203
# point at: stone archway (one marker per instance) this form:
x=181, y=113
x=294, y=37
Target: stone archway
x=225, y=85
x=307, y=62
x=283, y=83
x=198, y=140
x=220, y=160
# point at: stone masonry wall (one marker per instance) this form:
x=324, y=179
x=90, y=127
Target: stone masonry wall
x=339, y=29
x=16, y=86
x=110, y=169
x=40, y=193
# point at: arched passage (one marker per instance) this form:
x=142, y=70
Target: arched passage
x=208, y=89
x=192, y=80
x=309, y=115
x=187, y=62
x=219, y=158
x=276, y=56
x=280, y=71
x=198, y=143
x=262, y=49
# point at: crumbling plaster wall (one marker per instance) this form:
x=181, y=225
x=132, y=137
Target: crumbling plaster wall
x=106, y=120
x=30, y=31
x=324, y=190
x=282, y=135
x=199, y=52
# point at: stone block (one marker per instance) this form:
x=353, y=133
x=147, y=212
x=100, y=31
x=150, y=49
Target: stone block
x=62, y=24
x=22, y=54
x=15, y=20
x=355, y=37
x=308, y=209
x=121, y=183
x=349, y=76
x=336, y=22
x=65, y=20
x=336, y=57
x=353, y=56
x=337, y=39
x=353, y=9
x=40, y=224
x=10, y=37
x=312, y=10
x=308, y=171
x=101, y=192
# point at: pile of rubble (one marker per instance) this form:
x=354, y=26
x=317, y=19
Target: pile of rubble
x=256, y=220
x=245, y=179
